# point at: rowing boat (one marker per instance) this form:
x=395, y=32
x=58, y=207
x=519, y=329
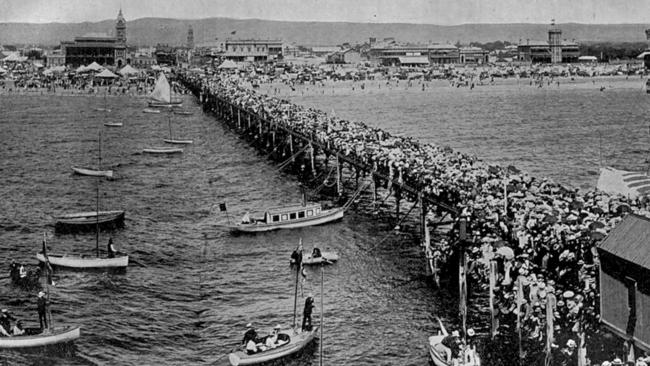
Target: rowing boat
x=84, y=262
x=438, y=351
x=93, y=172
x=162, y=150
x=113, y=124
x=326, y=258
x=178, y=142
x=150, y=110
x=88, y=220
x=36, y=338
x=297, y=341
x=288, y=217
x=184, y=113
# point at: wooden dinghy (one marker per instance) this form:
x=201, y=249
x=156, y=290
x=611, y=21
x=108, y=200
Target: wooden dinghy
x=113, y=124
x=84, y=262
x=289, y=217
x=178, y=142
x=150, y=110
x=89, y=220
x=162, y=150
x=93, y=172
x=35, y=338
x=172, y=103
x=438, y=354
x=297, y=341
x=184, y=113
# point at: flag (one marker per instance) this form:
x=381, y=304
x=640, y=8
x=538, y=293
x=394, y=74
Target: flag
x=222, y=207
x=628, y=183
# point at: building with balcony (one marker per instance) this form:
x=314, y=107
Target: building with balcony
x=473, y=55
x=98, y=47
x=252, y=50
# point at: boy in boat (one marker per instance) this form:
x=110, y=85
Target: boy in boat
x=250, y=335
x=454, y=344
x=272, y=339
x=316, y=253
x=306, y=318
x=41, y=306
x=110, y=248
x=5, y=323
x=18, y=328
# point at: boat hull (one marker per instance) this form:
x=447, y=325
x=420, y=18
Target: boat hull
x=55, y=336
x=93, y=173
x=173, y=103
x=325, y=217
x=113, y=124
x=148, y=110
x=78, y=262
x=178, y=142
x=297, y=342
x=162, y=151
x=86, y=221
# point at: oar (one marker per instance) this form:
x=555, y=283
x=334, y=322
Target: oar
x=137, y=262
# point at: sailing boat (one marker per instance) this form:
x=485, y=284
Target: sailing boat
x=105, y=109
x=37, y=337
x=86, y=262
x=171, y=140
x=98, y=172
x=294, y=340
x=162, y=94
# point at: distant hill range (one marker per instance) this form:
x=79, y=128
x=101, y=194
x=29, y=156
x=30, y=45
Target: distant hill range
x=151, y=31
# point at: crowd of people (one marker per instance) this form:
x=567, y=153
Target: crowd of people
x=541, y=234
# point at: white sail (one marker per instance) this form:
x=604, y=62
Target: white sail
x=162, y=92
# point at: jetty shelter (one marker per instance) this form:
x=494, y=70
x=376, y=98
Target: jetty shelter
x=625, y=280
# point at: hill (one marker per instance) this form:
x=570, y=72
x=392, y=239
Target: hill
x=150, y=31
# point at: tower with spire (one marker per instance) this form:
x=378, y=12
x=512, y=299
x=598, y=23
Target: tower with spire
x=190, y=38
x=120, y=28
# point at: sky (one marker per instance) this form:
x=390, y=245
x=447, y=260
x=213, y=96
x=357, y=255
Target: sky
x=442, y=12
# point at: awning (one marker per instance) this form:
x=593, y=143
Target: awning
x=414, y=60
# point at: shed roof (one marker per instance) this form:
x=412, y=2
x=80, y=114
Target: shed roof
x=630, y=240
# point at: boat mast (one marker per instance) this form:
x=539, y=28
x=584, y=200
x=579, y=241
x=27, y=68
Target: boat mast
x=97, y=215
x=322, y=277
x=169, y=121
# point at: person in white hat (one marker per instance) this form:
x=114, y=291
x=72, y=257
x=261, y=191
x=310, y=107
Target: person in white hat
x=250, y=335
x=272, y=339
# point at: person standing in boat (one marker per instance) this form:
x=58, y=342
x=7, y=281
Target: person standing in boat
x=41, y=306
x=110, y=248
x=5, y=323
x=296, y=256
x=246, y=219
x=306, y=313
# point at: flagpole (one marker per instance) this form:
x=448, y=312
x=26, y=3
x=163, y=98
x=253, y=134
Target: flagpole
x=322, y=316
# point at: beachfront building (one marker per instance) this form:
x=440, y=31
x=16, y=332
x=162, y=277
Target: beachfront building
x=540, y=51
x=349, y=56
x=393, y=54
x=442, y=54
x=252, y=50
x=625, y=281
x=55, y=58
x=473, y=55
x=645, y=56
x=144, y=58
x=101, y=48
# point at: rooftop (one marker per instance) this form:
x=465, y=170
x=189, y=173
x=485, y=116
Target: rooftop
x=629, y=240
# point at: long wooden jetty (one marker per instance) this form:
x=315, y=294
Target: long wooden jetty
x=279, y=140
